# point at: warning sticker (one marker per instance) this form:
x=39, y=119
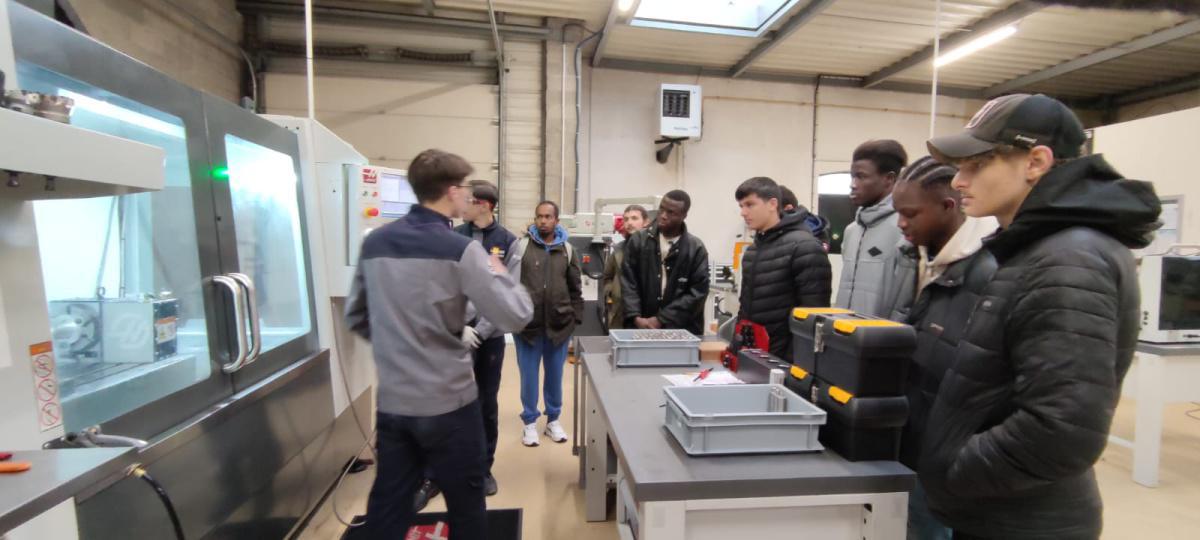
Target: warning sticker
x=45, y=385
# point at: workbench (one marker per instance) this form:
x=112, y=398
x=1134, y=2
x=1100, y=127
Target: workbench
x=1161, y=374
x=56, y=476
x=664, y=494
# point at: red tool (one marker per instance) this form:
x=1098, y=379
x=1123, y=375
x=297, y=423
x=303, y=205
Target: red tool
x=746, y=335
x=5, y=456
x=702, y=375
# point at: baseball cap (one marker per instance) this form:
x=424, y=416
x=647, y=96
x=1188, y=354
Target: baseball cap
x=1021, y=120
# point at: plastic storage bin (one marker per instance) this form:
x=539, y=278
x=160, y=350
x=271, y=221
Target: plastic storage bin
x=866, y=356
x=658, y=348
x=715, y=420
x=801, y=382
x=862, y=428
x=804, y=329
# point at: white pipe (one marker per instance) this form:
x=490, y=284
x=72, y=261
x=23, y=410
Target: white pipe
x=308, y=57
x=562, y=132
x=937, y=40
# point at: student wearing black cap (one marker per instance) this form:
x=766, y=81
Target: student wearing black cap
x=1024, y=410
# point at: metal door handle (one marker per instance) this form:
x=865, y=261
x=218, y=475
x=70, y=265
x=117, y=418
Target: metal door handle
x=255, y=325
x=239, y=315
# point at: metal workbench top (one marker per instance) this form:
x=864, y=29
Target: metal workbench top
x=56, y=476
x=659, y=470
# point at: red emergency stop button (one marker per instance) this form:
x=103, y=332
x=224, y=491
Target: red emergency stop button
x=372, y=212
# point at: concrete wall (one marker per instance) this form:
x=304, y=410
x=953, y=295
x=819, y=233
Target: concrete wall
x=751, y=128
x=1167, y=162
x=155, y=32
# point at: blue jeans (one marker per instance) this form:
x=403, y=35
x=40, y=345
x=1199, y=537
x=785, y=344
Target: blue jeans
x=922, y=524
x=530, y=357
x=452, y=445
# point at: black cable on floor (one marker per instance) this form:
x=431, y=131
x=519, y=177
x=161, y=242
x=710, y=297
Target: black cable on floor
x=139, y=472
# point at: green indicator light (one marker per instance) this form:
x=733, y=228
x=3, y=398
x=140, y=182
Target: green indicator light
x=221, y=173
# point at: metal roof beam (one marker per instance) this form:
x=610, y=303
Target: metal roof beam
x=340, y=14
x=995, y=21
x=807, y=13
x=826, y=80
x=1103, y=55
x=613, y=12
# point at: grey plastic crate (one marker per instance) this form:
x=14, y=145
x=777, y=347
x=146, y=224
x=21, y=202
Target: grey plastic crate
x=659, y=348
x=715, y=420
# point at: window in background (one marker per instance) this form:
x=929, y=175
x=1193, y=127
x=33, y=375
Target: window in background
x=750, y=18
x=833, y=194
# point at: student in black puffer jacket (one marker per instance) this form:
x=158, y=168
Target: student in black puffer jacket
x=785, y=268
x=1024, y=411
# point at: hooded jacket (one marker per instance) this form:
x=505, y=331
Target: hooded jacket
x=873, y=272
x=552, y=275
x=495, y=240
x=949, y=286
x=785, y=267
x=615, y=305
x=1024, y=410
x=681, y=303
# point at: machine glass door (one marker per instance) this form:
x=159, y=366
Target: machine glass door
x=130, y=310
x=260, y=161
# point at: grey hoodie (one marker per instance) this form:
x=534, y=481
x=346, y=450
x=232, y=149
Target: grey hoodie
x=873, y=271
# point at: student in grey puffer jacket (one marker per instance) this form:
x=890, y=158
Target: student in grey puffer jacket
x=873, y=271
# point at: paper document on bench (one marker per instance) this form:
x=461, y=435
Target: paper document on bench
x=716, y=378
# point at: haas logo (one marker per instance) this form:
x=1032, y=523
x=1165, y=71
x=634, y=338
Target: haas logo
x=370, y=176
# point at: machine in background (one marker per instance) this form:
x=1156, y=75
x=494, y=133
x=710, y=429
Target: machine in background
x=1170, y=284
x=100, y=165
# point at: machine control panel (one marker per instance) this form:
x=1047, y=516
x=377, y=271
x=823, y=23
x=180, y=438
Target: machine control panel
x=375, y=196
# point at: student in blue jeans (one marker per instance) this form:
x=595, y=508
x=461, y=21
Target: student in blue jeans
x=547, y=267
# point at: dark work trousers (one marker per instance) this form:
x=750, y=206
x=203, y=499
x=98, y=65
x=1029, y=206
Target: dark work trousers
x=489, y=362
x=452, y=446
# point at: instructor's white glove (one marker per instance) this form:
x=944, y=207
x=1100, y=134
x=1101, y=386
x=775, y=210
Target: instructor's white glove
x=471, y=338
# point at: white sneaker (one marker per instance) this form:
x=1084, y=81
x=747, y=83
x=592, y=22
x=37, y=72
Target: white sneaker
x=555, y=431
x=529, y=436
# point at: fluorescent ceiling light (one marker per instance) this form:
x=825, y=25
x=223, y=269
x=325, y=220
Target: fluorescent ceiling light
x=975, y=45
x=122, y=114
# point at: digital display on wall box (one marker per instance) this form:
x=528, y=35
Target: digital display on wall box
x=396, y=194
x=1179, y=308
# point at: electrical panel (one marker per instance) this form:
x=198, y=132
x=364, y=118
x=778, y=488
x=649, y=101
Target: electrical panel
x=679, y=108
x=375, y=196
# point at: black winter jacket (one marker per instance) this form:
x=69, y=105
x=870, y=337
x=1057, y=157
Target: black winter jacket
x=1024, y=411
x=495, y=239
x=785, y=268
x=681, y=305
x=939, y=316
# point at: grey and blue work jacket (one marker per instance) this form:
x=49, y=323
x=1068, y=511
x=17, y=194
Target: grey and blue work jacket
x=409, y=298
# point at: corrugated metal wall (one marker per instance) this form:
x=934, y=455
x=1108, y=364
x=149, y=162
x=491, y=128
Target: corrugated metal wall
x=521, y=185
